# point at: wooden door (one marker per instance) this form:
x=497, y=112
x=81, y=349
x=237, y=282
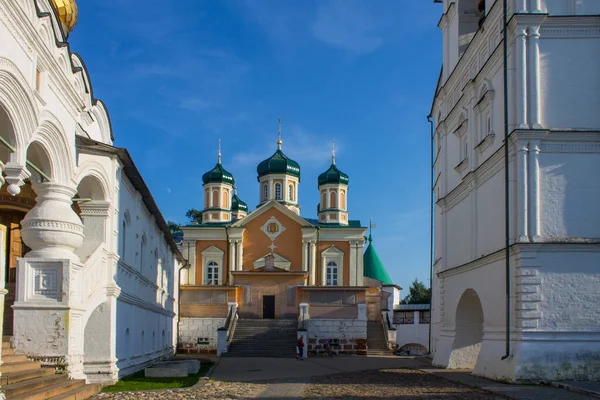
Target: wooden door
x=268, y=307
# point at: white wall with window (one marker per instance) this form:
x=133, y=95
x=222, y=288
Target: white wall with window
x=332, y=264
x=212, y=260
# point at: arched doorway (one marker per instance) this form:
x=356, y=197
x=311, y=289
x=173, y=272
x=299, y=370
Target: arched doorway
x=12, y=212
x=468, y=332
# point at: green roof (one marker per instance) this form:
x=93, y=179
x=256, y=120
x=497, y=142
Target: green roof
x=237, y=204
x=218, y=175
x=333, y=175
x=373, y=267
x=278, y=163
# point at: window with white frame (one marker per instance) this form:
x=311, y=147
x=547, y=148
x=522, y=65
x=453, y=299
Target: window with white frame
x=332, y=274
x=291, y=192
x=332, y=261
x=278, y=191
x=212, y=273
x=265, y=191
x=212, y=260
x=464, y=148
x=485, y=116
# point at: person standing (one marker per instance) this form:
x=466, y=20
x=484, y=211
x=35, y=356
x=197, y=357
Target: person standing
x=300, y=345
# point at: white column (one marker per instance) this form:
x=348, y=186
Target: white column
x=232, y=255
x=313, y=263
x=359, y=263
x=522, y=192
x=521, y=6
x=534, y=183
x=323, y=271
x=328, y=199
x=537, y=6
x=210, y=197
x=304, y=255
x=521, y=77
x=353, y=266
x=271, y=191
x=240, y=256
x=535, y=118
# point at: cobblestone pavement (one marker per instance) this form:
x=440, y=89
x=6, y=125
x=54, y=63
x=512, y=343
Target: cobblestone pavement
x=203, y=390
x=376, y=384
x=391, y=384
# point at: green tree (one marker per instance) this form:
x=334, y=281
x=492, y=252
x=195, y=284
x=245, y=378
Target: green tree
x=173, y=227
x=417, y=294
x=194, y=216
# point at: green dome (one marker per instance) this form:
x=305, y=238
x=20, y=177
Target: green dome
x=373, y=267
x=218, y=175
x=238, y=205
x=333, y=175
x=278, y=163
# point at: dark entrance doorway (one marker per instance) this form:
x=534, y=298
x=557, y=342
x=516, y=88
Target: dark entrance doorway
x=269, y=307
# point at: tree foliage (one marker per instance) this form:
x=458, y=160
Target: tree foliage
x=417, y=294
x=194, y=216
x=173, y=227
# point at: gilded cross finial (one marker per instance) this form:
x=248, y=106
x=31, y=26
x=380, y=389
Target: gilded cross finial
x=333, y=151
x=279, y=133
x=219, y=155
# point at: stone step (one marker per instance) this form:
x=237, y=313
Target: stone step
x=7, y=352
x=54, y=390
x=30, y=385
x=273, y=355
x=19, y=366
x=82, y=393
x=11, y=358
x=15, y=377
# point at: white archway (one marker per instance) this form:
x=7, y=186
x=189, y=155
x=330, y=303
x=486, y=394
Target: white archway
x=468, y=331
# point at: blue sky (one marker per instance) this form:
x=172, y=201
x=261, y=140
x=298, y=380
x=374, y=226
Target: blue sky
x=177, y=76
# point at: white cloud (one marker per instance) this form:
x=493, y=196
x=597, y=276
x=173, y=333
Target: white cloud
x=345, y=25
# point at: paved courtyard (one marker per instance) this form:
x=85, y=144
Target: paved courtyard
x=344, y=378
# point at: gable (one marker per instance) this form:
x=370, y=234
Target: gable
x=280, y=262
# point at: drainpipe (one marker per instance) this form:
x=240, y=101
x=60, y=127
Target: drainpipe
x=431, y=234
x=506, y=181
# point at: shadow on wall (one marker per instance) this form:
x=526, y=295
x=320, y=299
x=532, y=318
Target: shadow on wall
x=469, y=331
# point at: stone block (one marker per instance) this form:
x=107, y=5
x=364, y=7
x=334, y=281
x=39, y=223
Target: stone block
x=176, y=371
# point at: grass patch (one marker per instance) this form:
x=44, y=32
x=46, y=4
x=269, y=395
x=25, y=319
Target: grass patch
x=137, y=381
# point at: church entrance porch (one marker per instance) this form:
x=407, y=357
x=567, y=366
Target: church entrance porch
x=268, y=307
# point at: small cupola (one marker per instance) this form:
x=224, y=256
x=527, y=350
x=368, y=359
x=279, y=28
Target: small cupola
x=218, y=188
x=333, y=189
x=279, y=177
x=239, y=209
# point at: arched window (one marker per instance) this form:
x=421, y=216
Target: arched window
x=333, y=200
x=215, y=198
x=278, y=191
x=225, y=199
x=265, y=191
x=291, y=192
x=142, y=251
x=324, y=201
x=212, y=273
x=206, y=199
x=343, y=199
x=123, y=239
x=332, y=274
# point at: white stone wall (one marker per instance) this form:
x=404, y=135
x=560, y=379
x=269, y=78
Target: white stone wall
x=191, y=329
x=351, y=333
x=412, y=333
x=554, y=224
x=93, y=291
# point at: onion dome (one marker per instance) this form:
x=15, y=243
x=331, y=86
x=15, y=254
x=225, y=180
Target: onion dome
x=373, y=267
x=218, y=175
x=333, y=175
x=238, y=205
x=278, y=163
x=67, y=13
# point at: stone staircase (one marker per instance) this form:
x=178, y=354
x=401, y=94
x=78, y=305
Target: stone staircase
x=264, y=338
x=23, y=379
x=376, y=342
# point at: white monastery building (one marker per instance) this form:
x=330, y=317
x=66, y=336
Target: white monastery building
x=88, y=269
x=552, y=101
